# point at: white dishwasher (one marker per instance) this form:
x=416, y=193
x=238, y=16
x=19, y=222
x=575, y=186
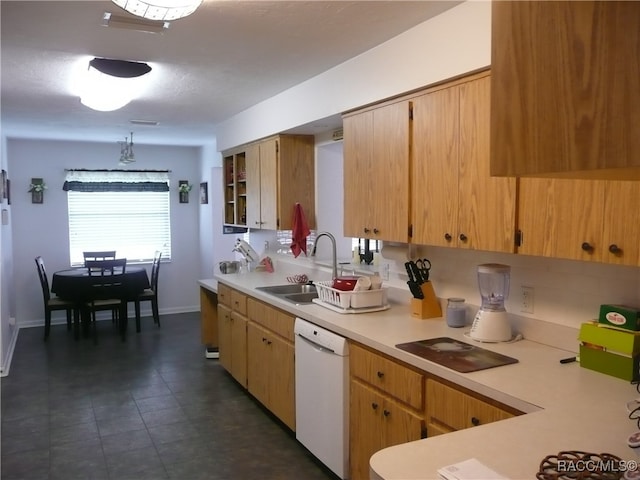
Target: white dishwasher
x=322, y=395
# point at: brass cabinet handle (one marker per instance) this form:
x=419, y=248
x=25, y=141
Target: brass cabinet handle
x=376, y=231
x=380, y=374
x=463, y=237
x=386, y=412
x=374, y=405
x=447, y=237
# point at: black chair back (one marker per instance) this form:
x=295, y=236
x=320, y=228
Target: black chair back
x=116, y=266
x=155, y=270
x=44, y=282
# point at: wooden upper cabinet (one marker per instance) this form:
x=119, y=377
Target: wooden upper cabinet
x=280, y=172
x=565, y=83
x=376, y=172
x=591, y=220
x=455, y=201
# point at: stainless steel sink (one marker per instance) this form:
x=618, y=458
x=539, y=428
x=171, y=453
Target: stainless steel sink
x=292, y=292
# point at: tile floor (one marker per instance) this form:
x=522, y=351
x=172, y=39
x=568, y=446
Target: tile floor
x=149, y=408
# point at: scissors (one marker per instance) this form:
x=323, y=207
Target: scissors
x=424, y=265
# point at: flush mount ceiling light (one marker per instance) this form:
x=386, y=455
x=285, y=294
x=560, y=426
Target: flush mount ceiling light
x=110, y=84
x=159, y=9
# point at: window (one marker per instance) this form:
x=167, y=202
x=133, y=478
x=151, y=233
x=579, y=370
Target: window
x=125, y=211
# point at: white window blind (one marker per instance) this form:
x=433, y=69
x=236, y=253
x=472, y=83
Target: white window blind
x=134, y=224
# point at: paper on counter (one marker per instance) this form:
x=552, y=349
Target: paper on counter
x=470, y=469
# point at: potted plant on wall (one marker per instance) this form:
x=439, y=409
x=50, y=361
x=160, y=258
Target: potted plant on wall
x=37, y=188
x=184, y=188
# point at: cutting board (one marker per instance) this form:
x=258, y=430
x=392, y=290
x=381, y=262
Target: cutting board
x=456, y=355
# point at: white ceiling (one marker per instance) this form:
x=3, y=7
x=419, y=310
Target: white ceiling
x=224, y=58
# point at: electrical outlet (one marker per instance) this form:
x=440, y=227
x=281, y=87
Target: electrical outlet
x=526, y=299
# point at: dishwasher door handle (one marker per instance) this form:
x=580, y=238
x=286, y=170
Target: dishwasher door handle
x=315, y=345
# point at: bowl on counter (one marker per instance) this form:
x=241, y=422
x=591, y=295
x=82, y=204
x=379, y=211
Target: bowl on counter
x=229, y=266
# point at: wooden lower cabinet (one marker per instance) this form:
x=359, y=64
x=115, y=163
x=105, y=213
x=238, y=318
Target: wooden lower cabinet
x=232, y=333
x=270, y=362
x=376, y=422
x=449, y=409
x=386, y=406
x=208, y=317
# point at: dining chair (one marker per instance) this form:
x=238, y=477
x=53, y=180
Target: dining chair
x=107, y=290
x=150, y=294
x=51, y=303
x=99, y=255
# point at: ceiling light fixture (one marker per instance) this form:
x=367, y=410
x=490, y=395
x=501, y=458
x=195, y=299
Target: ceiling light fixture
x=110, y=84
x=164, y=10
x=126, y=151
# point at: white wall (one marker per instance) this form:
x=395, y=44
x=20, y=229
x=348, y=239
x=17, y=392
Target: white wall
x=453, y=43
x=42, y=229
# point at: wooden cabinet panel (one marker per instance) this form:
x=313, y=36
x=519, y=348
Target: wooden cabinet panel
x=269, y=317
x=557, y=216
x=224, y=294
x=225, y=345
x=270, y=372
x=376, y=173
x=435, y=167
x=379, y=422
x=239, y=302
x=621, y=220
x=565, y=92
x=208, y=317
x=252, y=159
x=269, y=184
x=455, y=201
x=239, y=348
x=389, y=376
x=449, y=409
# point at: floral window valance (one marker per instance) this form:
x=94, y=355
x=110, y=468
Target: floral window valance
x=117, y=181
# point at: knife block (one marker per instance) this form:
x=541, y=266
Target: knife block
x=427, y=307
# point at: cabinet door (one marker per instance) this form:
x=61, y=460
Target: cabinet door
x=621, y=223
x=252, y=160
x=281, y=369
x=366, y=434
x=388, y=178
x=561, y=218
x=435, y=168
x=358, y=154
x=257, y=363
x=225, y=346
x=238, y=344
x=376, y=173
x=487, y=205
x=269, y=184
x=401, y=425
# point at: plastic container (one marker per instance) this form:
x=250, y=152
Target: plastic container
x=456, y=312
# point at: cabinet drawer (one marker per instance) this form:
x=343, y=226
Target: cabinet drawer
x=451, y=409
x=399, y=381
x=275, y=320
x=239, y=302
x=224, y=294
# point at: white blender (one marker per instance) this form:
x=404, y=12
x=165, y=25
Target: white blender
x=491, y=323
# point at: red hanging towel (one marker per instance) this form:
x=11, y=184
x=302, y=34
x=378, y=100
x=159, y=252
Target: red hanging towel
x=299, y=232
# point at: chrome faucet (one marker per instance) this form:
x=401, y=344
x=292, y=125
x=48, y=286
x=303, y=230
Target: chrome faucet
x=333, y=243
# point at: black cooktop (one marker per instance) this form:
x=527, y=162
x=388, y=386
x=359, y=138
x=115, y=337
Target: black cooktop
x=456, y=355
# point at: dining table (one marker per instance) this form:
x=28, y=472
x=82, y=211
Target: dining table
x=76, y=285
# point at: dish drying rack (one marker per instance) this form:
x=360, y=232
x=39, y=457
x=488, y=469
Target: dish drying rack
x=340, y=301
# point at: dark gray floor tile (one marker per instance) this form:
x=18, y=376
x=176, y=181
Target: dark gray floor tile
x=73, y=433
x=161, y=402
x=147, y=391
x=60, y=418
x=37, y=423
x=185, y=450
x=111, y=398
x=25, y=441
x=130, y=462
x=111, y=426
x=111, y=412
x=28, y=464
x=165, y=416
x=175, y=431
x=121, y=442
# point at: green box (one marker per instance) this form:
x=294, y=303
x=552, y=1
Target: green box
x=620, y=316
x=614, y=340
x=609, y=363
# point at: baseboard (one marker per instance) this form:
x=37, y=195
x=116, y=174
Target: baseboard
x=105, y=315
x=6, y=361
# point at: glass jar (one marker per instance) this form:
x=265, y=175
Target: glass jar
x=456, y=312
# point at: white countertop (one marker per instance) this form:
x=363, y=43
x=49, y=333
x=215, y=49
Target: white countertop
x=569, y=407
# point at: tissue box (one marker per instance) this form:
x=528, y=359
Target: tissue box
x=611, y=351
x=620, y=316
